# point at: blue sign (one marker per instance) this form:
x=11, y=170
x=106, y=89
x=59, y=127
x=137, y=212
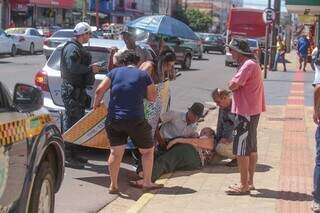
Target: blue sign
x=105, y=6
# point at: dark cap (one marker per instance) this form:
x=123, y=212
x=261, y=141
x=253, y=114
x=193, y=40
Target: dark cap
x=241, y=46
x=197, y=109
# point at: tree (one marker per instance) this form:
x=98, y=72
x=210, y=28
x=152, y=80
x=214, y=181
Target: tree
x=180, y=14
x=198, y=21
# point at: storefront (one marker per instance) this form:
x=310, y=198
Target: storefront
x=52, y=12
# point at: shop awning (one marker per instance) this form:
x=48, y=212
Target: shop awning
x=310, y=7
x=66, y=4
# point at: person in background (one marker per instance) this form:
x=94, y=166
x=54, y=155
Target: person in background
x=280, y=55
x=303, y=46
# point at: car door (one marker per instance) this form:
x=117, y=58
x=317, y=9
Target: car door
x=13, y=151
x=3, y=42
x=37, y=40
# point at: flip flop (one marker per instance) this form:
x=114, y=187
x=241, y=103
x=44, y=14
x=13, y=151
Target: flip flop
x=237, y=191
x=136, y=184
x=113, y=191
x=251, y=187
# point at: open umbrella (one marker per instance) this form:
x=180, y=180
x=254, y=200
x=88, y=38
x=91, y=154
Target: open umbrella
x=163, y=25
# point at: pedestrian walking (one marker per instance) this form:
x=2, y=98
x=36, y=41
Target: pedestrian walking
x=280, y=55
x=316, y=118
x=247, y=104
x=128, y=87
x=77, y=74
x=303, y=46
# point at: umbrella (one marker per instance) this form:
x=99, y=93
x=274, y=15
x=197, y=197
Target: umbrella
x=163, y=25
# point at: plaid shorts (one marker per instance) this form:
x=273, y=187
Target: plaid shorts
x=245, y=135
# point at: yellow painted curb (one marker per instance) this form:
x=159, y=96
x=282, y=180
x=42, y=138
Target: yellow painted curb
x=146, y=197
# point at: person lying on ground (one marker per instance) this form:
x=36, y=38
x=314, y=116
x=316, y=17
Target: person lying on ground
x=225, y=127
x=183, y=154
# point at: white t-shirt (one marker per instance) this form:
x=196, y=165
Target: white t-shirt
x=317, y=67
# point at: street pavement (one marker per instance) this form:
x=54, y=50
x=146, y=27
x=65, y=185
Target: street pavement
x=284, y=170
x=86, y=190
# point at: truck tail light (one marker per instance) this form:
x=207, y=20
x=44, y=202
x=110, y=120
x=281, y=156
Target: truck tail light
x=46, y=42
x=41, y=80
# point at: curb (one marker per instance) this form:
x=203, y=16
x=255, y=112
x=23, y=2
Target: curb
x=146, y=197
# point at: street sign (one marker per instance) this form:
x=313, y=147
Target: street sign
x=268, y=15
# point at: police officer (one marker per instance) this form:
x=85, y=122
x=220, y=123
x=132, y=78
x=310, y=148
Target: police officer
x=77, y=75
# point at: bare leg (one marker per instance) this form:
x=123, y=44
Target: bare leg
x=300, y=63
x=252, y=166
x=115, y=158
x=147, y=165
x=304, y=64
x=243, y=164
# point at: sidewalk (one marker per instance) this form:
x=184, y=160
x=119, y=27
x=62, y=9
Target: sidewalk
x=284, y=170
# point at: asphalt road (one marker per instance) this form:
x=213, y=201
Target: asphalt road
x=86, y=190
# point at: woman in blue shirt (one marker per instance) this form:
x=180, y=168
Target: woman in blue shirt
x=128, y=87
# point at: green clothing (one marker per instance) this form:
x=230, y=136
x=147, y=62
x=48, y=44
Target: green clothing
x=179, y=157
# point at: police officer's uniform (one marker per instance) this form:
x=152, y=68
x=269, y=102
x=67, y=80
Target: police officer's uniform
x=76, y=76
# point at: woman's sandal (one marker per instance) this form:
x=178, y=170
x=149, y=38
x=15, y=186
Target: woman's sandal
x=251, y=187
x=237, y=191
x=113, y=191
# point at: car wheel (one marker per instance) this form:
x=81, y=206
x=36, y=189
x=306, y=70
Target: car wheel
x=187, y=62
x=31, y=49
x=42, y=196
x=13, y=51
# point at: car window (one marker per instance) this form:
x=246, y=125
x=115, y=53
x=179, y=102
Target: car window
x=252, y=43
x=63, y=34
x=54, y=61
x=34, y=33
x=16, y=30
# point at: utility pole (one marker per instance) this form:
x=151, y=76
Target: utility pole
x=97, y=14
x=275, y=27
x=84, y=10
x=266, y=55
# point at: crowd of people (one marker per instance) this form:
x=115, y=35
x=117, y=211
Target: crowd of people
x=166, y=141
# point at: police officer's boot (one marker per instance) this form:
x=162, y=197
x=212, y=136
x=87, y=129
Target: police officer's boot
x=71, y=161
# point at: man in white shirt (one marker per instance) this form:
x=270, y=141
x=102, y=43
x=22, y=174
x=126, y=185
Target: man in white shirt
x=179, y=124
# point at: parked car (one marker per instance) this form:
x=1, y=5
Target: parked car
x=196, y=46
x=214, y=42
x=59, y=37
x=49, y=80
x=48, y=31
x=254, y=47
x=27, y=39
x=7, y=44
x=31, y=152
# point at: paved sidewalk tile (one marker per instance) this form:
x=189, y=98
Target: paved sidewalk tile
x=284, y=171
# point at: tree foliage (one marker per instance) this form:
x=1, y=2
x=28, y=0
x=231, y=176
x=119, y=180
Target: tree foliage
x=197, y=20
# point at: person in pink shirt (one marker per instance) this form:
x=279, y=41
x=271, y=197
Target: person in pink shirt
x=247, y=104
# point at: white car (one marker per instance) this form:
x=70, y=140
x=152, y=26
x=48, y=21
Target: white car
x=27, y=39
x=7, y=44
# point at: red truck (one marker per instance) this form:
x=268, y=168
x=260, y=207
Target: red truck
x=246, y=23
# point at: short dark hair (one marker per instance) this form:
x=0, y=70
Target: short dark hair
x=128, y=57
x=168, y=56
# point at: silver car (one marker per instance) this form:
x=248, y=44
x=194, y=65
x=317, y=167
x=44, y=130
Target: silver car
x=59, y=37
